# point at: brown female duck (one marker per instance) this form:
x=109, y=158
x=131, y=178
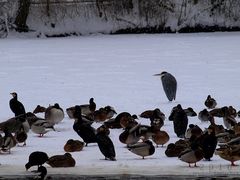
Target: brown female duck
x=160, y=137
x=229, y=153
x=73, y=145
x=65, y=160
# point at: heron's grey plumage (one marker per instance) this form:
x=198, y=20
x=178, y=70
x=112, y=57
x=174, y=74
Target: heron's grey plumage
x=169, y=83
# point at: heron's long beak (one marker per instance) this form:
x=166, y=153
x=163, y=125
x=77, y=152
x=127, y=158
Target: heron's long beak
x=157, y=74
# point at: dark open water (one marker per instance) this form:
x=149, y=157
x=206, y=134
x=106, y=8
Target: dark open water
x=124, y=177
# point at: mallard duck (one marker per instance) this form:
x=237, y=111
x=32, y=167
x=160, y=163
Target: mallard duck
x=16, y=106
x=87, y=109
x=128, y=120
x=145, y=132
x=229, y=153
x=217, y=112
x=188, y=133
x=130, y=135
x=155, y=116
x=104, y=113
x=238, y=114
x=147, y=114
x=36, y=158
x=150, y=113
x=204, y=115
x=110, y=111
x=39, y=109
x=14, y=124
x=190, y=112
x=210, y=102
x=70, y=112
x=100, y=115
x=31, y=118
x=217, y=128
x=21, y=136
x=41, y=127
x=174, y=149
x=193, y=130
x=112, y=124
x=65, y=160
x=229, y=122
x=104, y=129
x=1, y=140
x=73, y=145
x=157, y=120
x=232, y=142
x=191, y=155
x=232, y=111
x=220, y=112
x=236, y=128
x=160, y=137
x=142, y=149
x=122, y=117
x=54, y=114
x=8, y=141
x=226, y=136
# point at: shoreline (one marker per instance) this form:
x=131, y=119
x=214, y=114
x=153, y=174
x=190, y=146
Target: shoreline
x=119, y=177
x=137, y=172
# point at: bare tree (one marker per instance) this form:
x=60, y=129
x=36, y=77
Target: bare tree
x=22, y=14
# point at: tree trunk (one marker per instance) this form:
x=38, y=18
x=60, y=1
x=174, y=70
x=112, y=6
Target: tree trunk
x=22, y=14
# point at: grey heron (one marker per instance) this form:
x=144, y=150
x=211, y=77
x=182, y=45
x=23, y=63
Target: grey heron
x=169, y=84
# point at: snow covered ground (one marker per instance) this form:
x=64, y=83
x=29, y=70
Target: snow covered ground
x=117, y=70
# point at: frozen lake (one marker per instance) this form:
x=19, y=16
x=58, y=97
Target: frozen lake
x=118, y=70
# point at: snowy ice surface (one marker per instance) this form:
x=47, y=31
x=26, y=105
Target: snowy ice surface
x=117, y=70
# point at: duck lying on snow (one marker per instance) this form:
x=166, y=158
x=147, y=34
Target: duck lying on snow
x=65, y=160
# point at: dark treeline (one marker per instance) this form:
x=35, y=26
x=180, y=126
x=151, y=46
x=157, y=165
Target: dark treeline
x=62, y=17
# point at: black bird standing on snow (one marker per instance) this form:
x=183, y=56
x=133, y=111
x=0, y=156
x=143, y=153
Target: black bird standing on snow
x=105, y=144
x=82, y=128
x=36, y=158
x=169, y=83
x=43, y=172
x=16, y=106
x=208, y=143
x=180, y=121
